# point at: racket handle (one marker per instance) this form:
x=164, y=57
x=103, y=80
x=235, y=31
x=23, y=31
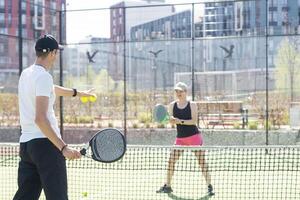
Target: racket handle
x=83, y=151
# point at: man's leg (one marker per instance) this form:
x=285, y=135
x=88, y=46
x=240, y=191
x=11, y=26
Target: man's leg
x=29, y=184
x=51, y=165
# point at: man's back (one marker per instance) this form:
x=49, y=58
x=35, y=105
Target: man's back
x=34, y=81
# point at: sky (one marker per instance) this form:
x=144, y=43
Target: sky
x=96, y=23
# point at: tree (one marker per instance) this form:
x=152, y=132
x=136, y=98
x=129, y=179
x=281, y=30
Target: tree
x=287, y=64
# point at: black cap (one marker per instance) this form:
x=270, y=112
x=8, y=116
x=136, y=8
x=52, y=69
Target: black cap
x=46, y=44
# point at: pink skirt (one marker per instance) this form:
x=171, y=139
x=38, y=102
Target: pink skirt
x=193, y=140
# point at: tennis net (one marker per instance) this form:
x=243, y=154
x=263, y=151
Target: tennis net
x=253, y=172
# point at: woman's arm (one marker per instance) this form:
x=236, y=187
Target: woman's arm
x=170, y=108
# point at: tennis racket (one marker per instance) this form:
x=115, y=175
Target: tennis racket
x=107, y=145
x=160, y=114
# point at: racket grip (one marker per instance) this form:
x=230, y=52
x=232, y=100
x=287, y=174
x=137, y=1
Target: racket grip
x=83, y=151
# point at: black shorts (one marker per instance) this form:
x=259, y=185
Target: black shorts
x=42, y=166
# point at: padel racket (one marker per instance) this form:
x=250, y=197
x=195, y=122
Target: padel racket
x=160, y=114
x=107, y=145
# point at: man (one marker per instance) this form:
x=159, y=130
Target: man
x=42, y=150
x=184, y=114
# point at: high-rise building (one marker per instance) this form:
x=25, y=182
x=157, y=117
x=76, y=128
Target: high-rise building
x=124, y=16
x=38, y=17
x=177, y=25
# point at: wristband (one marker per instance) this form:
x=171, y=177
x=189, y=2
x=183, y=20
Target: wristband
x=74, y=92
x=62, y=149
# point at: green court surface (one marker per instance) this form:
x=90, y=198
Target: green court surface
x=236, y=174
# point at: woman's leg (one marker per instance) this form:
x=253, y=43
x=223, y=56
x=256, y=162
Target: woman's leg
x=175, y=155
x=204, y=167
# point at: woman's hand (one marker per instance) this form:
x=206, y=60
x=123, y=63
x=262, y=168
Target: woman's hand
x=174, y=120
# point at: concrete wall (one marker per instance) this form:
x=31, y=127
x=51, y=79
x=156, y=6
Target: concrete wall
x=167, y=136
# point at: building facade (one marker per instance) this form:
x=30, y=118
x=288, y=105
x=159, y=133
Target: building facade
x=37, y=17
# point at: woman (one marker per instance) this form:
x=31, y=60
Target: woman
x=184, y=114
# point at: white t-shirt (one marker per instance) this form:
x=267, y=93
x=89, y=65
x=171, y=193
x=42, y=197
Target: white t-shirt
x=35, y=81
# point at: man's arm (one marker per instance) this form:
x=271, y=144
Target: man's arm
x=43, y=123
x=69, y=92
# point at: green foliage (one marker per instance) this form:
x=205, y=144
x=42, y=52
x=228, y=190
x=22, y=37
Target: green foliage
x=9, y=109
x=271, y=126
x=99, y=125
x=253, y=125
x=110, y=124
x=144, y=117
x=84, y=194
x=135, y=125
x=287, y=64
x=78, y=119
x=236, y=125
x=285, y=118
x=90, y=78
x=161, y=126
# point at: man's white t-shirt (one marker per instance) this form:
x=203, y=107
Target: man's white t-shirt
x=35, y=81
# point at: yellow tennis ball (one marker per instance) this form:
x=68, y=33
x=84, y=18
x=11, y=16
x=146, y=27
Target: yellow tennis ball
x=93, y=98
x=84, y=99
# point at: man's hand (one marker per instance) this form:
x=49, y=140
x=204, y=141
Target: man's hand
x=71, y=153
x=87, y=93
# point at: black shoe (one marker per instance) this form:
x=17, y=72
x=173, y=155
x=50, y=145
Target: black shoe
x=210, y=190
x=165, y=189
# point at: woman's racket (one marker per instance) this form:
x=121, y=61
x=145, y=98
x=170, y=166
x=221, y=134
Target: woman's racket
x=107, y=146
x=160, y=114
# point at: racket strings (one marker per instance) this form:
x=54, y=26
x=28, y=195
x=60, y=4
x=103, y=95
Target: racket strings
x=160, y=114
x=107, y=146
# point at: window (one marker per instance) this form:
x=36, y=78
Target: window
x=1, y=48
x=23, y=19
x=24, y=32
x=9, y=20
x=3, y=30
x=53, y=5
x=3, y=60
x=2, y=3
x=23, y=5
x=54, y=20
x=1, y=17
x=25, y=61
